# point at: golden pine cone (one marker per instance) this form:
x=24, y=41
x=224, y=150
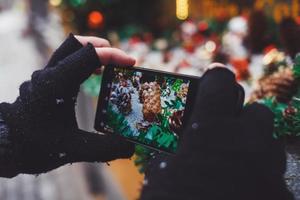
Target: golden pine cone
x=280, y=84
x=151, y=100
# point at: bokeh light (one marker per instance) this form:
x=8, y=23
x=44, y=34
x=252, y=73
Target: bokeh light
x=182, y=9
x=95, y=19
x=210, y=46
x=55, y=2
x=77, y=3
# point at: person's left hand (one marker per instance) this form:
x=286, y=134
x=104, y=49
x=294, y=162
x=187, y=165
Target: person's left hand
x=227, y=150
x=43, y=130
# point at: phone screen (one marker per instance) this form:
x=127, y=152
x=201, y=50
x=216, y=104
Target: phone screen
x=146, y=107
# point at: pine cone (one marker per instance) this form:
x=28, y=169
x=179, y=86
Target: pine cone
x=280, y=84
x=175, y=121
x=142, y=91
x=182, y=93
x=151, y=100
x=124, y=100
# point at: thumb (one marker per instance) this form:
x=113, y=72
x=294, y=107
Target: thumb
x=114, y=56
x=92, y=147
x=218, y=95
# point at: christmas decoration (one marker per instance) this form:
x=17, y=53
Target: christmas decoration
x=118, y=121
x=278, y=91
x=136, y=79
x=280, y=84
x=241, y=68
x=144, y=87
x=151, y=101
x=273, y=59
x=182, y=93
x=170, y=122
x=143, y=126
x=175, y=121
x=121, y=96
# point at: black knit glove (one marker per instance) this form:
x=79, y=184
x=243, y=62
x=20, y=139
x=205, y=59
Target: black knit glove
x=43, y=131
x=227, y=152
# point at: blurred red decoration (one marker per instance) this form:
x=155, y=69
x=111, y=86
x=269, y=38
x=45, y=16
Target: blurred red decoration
x=202, y=26
x=198, y=39
x=269, y=48
x=134, y=40
x=298, y=20
x=95, y=19
x=241, y=68
x=189, y=46
x=184, y=64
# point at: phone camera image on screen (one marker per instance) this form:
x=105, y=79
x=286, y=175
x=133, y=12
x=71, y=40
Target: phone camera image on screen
x=147, y=107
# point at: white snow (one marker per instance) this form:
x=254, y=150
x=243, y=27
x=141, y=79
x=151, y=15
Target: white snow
x=137, y=112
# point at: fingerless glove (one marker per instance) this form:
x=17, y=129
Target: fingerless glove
x=41, y=126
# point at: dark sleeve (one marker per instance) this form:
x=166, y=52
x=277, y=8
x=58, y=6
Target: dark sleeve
x=7, y=163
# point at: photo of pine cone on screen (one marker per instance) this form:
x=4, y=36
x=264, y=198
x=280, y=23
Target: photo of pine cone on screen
x=146, y=107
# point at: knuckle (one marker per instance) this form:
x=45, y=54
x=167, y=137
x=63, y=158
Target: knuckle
x=25, y=90
x=35, y=76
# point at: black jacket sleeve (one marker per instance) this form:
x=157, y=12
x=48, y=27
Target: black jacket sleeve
x=7, y=163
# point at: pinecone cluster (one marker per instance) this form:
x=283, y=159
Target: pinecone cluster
x=121, y=96
x=175, y=121
x=150, y=97
x=182, y=93
x=280, y=84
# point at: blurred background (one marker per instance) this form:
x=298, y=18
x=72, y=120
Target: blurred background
x=252, y=37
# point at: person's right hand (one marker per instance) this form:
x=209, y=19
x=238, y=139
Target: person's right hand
x=42, y=129
x=227, y=150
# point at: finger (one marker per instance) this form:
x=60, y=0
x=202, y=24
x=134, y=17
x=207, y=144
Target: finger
x=95, y=41
x=92, y=147
x=69, y=73
x=218, y=94
x=69, y=46
x=114, y=56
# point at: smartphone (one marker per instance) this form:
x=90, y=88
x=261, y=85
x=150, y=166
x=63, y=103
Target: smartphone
x=147, y=107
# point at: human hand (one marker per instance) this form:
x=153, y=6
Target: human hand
x=227, y=150
x=43, y=130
